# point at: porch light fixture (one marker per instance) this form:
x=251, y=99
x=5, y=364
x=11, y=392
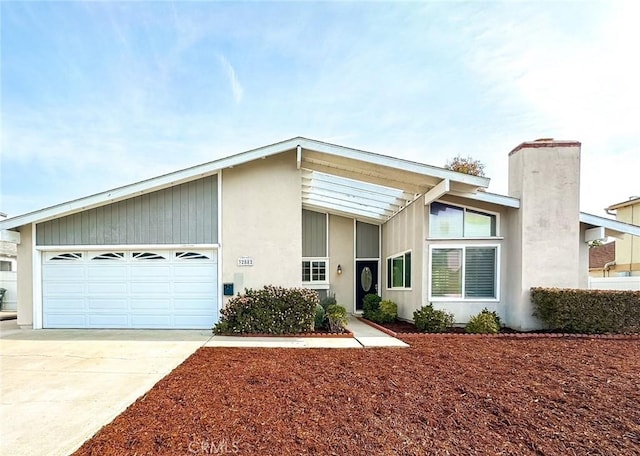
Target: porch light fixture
x=339, y=269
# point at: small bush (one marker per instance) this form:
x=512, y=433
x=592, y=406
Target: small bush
x=428, y=319
x=320, y=317
x=326, y=302
x=370, y=306
x=271, y=310
x=336, y=318
x=485, y=322
x=381, y=312
x=587, y=311
x=388, y=311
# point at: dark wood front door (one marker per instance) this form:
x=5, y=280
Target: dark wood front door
x=366, y=280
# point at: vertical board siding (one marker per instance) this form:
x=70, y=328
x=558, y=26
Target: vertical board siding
x=183, y=214
x=314, y=234
x=367, y=240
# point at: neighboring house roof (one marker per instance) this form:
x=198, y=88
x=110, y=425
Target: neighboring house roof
x=612, y=228
x=601, y=255
x=338, y=179
x=631, y=201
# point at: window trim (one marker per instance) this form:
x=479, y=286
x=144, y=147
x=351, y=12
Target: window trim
x=464, y=257
x=464, y=207
x=392, y=257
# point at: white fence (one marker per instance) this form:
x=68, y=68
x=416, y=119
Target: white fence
x=9, y=280
x=614, y=283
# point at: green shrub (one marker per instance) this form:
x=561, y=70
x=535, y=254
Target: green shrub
x=271, y=310
x=587, y=311
x=428, y=319
x=485, y=322
x=381, y=311
x=326, y=302
x=320, y=317
x=387, y=312
x=370, y=306
x=336, y=318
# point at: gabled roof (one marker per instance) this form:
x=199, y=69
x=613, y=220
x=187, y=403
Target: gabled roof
x=631, y=201
x=337, y=179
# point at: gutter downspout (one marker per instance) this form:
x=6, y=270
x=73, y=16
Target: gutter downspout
x=607, y=267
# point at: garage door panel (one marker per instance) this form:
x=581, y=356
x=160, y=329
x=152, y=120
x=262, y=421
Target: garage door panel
x=64, y=272
x=159, y=305
x=150, y=288
x=66, y=304
x=129, y=289
x=108, y=320
x=190, y=288
x=191, y=271
x=66, y=288
x=154, y=272
x=107, y=304
x=151, y=321
x=104, y=272
x=107, y=288
x=65, y=320
x=205, y=304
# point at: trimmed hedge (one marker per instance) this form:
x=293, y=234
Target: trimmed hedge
x=587, y=311
x=271, y=310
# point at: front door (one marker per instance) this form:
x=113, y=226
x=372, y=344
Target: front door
x=366, y=280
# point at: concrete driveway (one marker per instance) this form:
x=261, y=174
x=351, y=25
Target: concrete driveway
x=59, y=387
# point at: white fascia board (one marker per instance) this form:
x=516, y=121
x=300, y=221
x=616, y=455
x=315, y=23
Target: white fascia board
x=392, y=162
x=207, y=169
x=437, y=191
x=493, y=198
x=612, y=226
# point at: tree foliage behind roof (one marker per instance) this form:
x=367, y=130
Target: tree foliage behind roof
x=467, y=165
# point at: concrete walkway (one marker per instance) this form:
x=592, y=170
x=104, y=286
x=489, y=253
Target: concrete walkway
x=363, y=336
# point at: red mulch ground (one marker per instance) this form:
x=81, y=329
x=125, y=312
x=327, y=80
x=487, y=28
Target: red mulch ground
x=458, y=395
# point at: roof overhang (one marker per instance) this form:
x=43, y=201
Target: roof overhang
x=612, y=228
x=335, y=179
x=630, y=202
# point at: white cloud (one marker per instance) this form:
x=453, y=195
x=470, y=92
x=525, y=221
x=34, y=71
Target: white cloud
x=236, y=87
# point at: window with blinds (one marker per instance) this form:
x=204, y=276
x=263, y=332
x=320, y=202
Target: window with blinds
x=464, y=272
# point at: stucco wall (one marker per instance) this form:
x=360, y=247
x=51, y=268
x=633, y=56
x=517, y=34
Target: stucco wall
x=25, y=274
x=262, y=219
x=405, y=231
x=341, y=253
x=546, y=178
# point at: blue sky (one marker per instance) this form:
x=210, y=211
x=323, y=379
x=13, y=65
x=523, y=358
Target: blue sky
x=95, y=95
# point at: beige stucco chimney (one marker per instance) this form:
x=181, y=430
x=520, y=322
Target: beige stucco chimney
x=544, y=234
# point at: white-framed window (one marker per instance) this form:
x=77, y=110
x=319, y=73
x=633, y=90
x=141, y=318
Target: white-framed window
x=314, y=270
x=399, y=270
x=447, y=221
x=464, y=272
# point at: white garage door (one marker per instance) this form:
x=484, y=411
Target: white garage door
x=130, y=289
